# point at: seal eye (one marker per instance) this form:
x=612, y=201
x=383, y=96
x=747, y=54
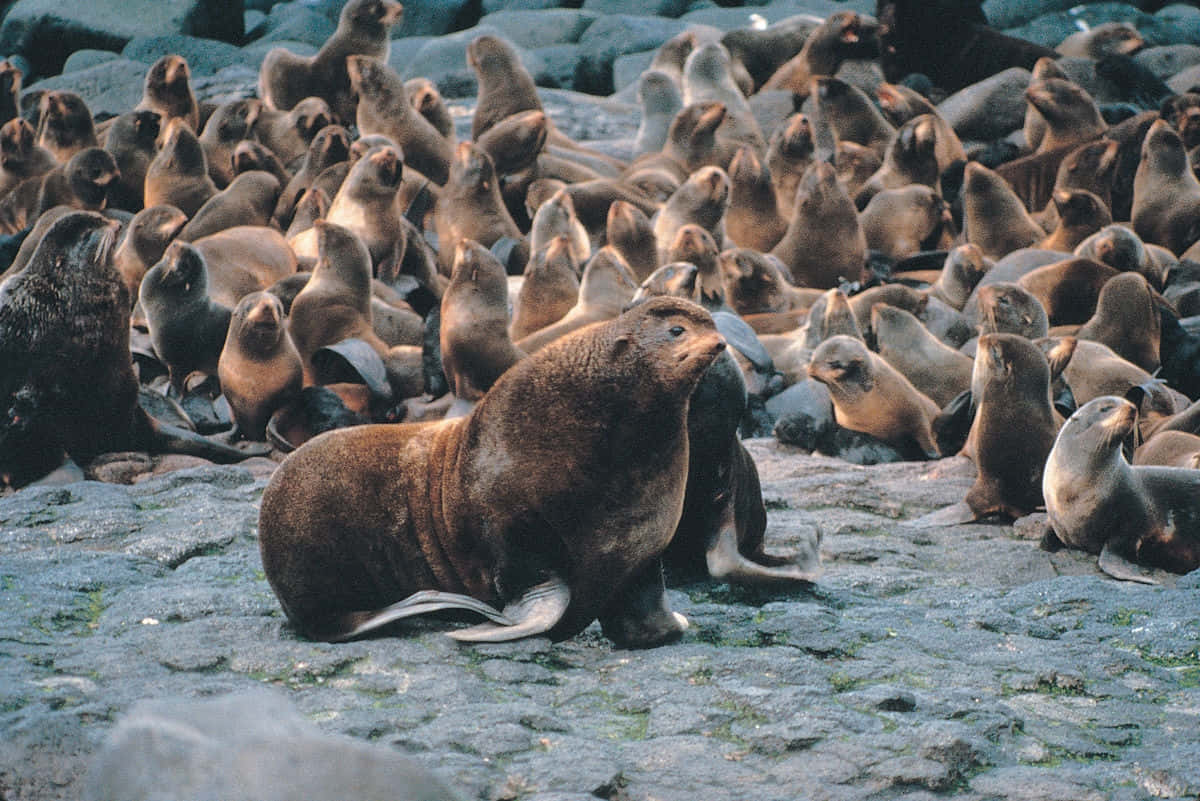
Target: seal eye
x=676, y=330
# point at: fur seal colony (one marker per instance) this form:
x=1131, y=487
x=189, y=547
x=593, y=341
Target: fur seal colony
x=340, y=230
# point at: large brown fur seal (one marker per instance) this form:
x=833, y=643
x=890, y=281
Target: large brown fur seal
x=66, y=376
x=285, y=79
x=1097, y=502
x=554, y=498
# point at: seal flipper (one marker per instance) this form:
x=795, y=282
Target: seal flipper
x=638, y=615
x=726, y=563
x=355, y=624
x=954, y=515
x=161, y=437
x=535, y=612
x=1121, y=568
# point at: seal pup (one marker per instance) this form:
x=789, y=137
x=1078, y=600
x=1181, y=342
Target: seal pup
x=476, y=348
x=143, y=243
x=65, y=365
x=1098, y=370
x=752, y=219
x=993, y=216
x=824, y=243
x=1169, y=449
x=557, y=217
x=330, y=146
x=505, y=86
x=178, y=175
x=244, y=259
x=756, y=283
x=64, y=125
x=1012, y=433
x=289, y=133
x=964, y=268
x=1068, y=290
x=10, y=91
x=383, y=108
x=871, y=396
x=934, y=368
x=284, y=79
x=911, y=158
x=604, y=292
x=549, y=291
x=789, y=153
x=1102, y=40
x=167, y=90
x=228, y=125
x=661, y=101
x=1098, y=503
x=365, y=204
x=248, y=200
x=843, y=35
x=557, y=551
x=259, y=367
x=707, y=77
x=701, y=200
x=21, y=157
x=694, y=245
x=1080, y=214
x=470, y=207
x=427, y=100
x=187, y=328
x=630, y=233
x=902, y=222
x=851, y=116
x=1127, y=320
x=1071, y=115
x=1166, y=193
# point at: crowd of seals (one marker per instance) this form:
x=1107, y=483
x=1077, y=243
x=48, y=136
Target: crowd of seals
x=895, y=276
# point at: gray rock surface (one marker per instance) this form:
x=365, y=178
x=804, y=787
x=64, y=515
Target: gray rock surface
x=614, y=36
x=204, y=56
x=960, y=662
x=47, y=31
x=536, y=29
x=110, y=87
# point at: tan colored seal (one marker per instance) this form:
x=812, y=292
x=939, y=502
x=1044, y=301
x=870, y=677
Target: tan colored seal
x=284, y=79
x=824, y=243
x=259, y=367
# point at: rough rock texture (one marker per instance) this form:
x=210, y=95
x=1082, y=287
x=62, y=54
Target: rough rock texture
x=47, y=31
x=962, y=661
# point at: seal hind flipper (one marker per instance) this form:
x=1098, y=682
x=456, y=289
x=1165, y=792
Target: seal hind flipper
x=1122, y=569
x=425, y=602
x=535, y=612
x=726, y=563
x=165, y=438
x=955, y=515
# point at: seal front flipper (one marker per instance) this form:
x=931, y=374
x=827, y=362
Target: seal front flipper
x=355, y=624
x=1122, y=569
x=535, y=612
x=726, y=563
x=638, y=615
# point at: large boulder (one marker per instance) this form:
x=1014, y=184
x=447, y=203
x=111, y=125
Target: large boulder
x=614, y=36
x=47, y=31
x=534, y=29
x=109, y=88
x=204, y=56
x=435, y=17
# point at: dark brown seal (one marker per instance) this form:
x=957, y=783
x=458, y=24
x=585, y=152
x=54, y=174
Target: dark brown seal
x=1130, y=516
x=66, y=376
x=581, y=490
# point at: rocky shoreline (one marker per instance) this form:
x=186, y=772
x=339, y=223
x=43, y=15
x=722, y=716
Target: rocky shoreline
x=961, y=662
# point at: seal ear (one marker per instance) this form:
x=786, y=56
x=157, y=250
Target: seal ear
x=620, y=345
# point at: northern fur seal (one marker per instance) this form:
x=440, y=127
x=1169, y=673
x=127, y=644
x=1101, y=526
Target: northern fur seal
x=259, y=367
x=512, y=505
x=1099, y=503
x=285, y=79
x=66, y=375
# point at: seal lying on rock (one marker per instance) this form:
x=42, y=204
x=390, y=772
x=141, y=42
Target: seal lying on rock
x=1097, y=502
x=555, y=497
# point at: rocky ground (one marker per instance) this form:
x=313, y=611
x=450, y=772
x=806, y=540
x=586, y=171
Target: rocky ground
x=961, y=662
